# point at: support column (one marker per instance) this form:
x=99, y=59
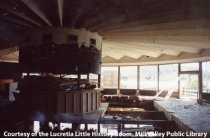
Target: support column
x=200, y=84
x=118, y=87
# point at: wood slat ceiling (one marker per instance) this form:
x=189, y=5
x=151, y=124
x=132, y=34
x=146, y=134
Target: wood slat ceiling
x=131, y=29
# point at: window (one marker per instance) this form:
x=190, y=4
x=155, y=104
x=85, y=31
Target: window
x=71, y=76
x=92, y=41
x=148, y=77
x=168, y=77
x=73, y=38
x=109, y=77
x=93, y=78
x=206, y=76
x=31, y=74
x=189, y=66
x=128, y=77
x=189, y=86
x=83, y=77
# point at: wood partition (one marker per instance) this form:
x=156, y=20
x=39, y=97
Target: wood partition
x=75, y=102
x=78, y=101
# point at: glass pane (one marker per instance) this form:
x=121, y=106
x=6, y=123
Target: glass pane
x=109, y=77
x=206, y=77
x=93, y=78
x=168, y=77
x=128, y=77
x=189, y=86
x=148, y=77
x=83, y=76
x=189, y=66
x=71, y=76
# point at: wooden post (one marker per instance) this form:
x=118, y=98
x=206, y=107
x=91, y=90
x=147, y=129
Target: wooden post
x=118, y=87
x=138, y=79
x=200, y=85
x=179, y=70
x=99, y=80
x=158, y=78
x=78, y=81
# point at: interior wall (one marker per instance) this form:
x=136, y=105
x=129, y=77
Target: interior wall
x=61, y=36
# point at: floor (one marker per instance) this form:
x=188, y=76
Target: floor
x=189, y=115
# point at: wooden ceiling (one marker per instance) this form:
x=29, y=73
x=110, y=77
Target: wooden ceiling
x=132, y=30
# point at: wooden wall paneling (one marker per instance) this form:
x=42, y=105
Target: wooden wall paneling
x=94, y=101
x=77, y=103
x=84, y=102
x=92, y=108
x=69, y=103
x=89, y=102
x=86, y=94
x=61, y=102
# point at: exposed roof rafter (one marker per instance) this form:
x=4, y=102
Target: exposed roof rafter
x=36, y=9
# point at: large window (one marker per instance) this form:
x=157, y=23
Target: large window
x=206, y=76
x=168, y=77
x=109, y=77
x=128, y=77
x=148, y=77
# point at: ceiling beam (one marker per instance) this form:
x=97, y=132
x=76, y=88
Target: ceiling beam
x=12, y=57
x=11, y=25
x=5, y=52
x=19, y=14
x=60, y=10
x=15, y=20
x=37, y=10
x=172, y=16
x=84, y=8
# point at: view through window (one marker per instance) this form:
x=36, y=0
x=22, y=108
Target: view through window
x=189, y=80
x=128, y=77
x=189, y=66
x=109, y=77
x=148, y=77
x=206, y=76
x=168, y=78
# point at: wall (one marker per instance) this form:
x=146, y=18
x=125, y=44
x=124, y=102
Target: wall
x=60, y=35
